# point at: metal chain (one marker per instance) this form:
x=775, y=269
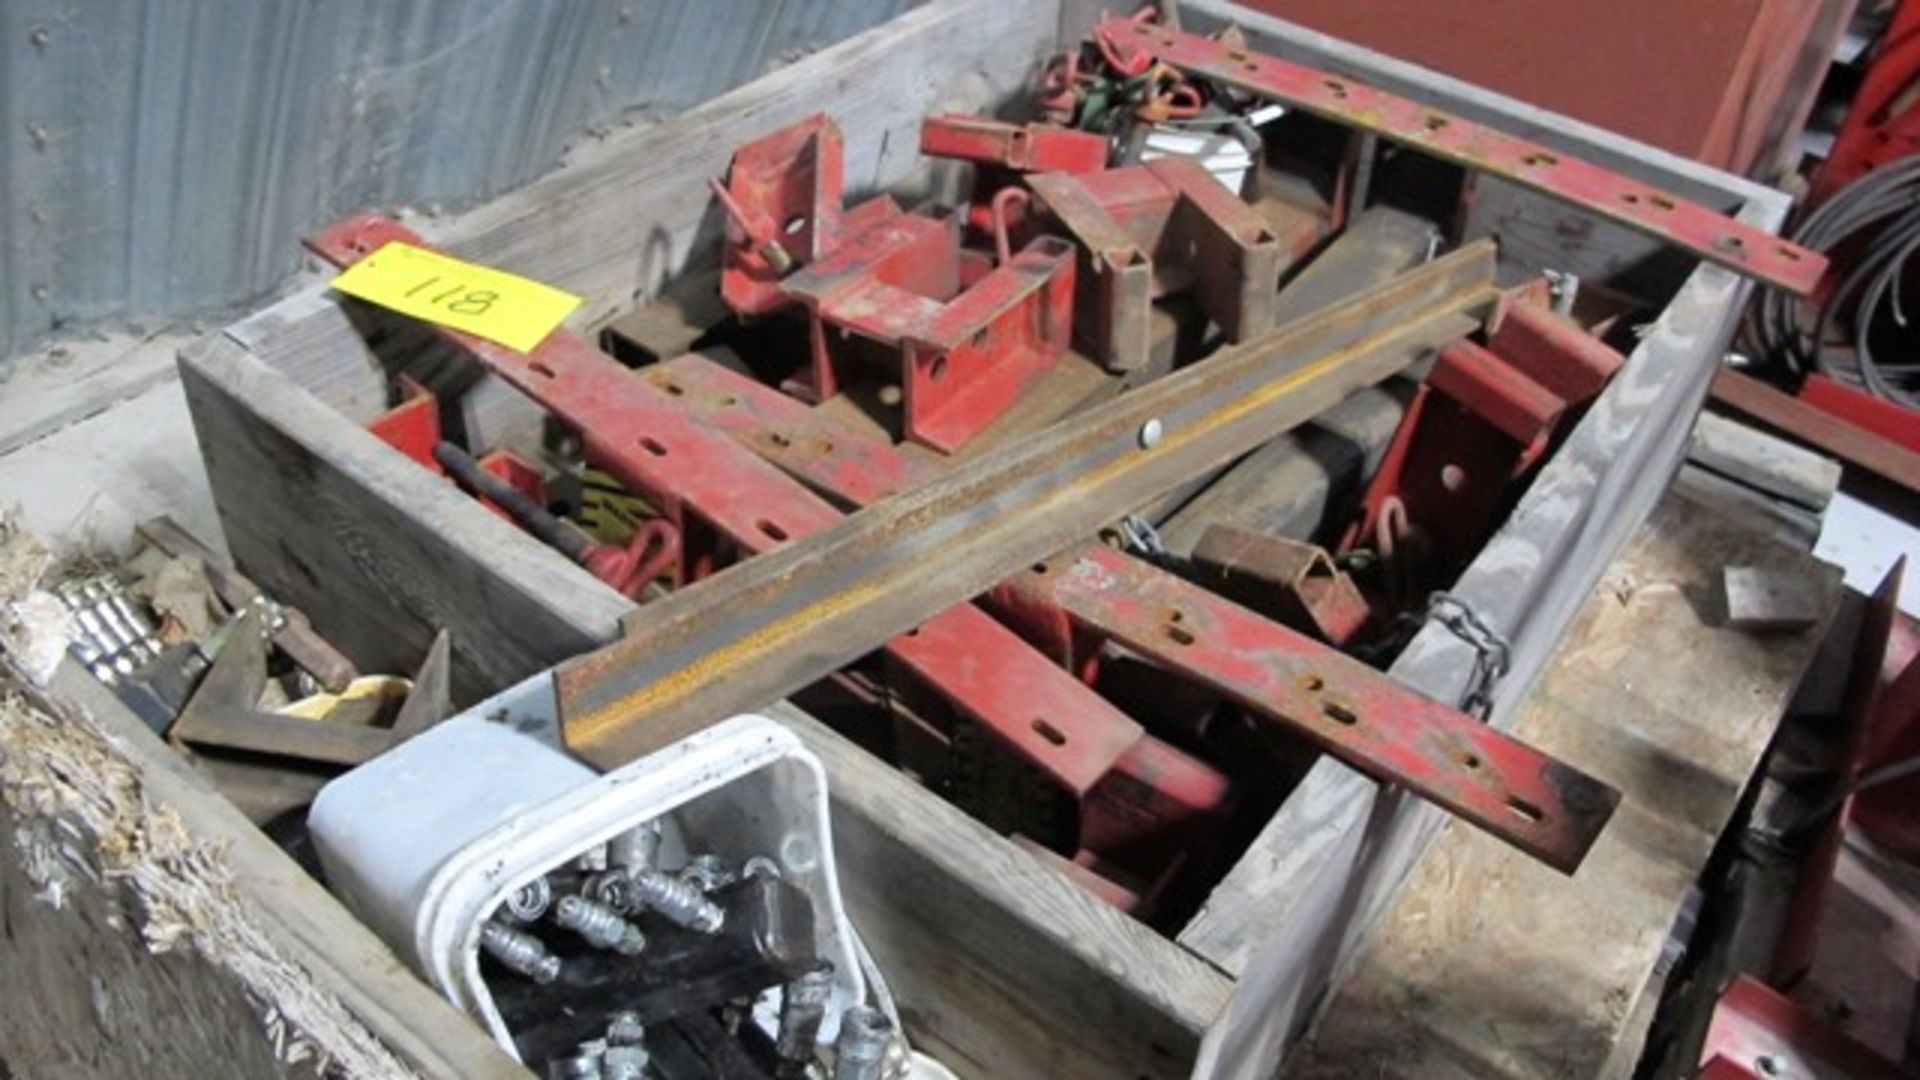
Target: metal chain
x=1491, y=654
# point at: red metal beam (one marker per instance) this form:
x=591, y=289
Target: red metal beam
x=1818, y=428
x=1700, y=229
x=1018, y=147
x=1547, y=809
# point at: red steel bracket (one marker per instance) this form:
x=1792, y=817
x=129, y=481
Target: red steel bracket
x=783, y=197
x=874, y=276
x=1889, y=420
x=1483, y=418
x=1705, y=232
x=966, y=355
x=1001, y=153
x=1546, y=808
x=1157, y=229
x=412, y=426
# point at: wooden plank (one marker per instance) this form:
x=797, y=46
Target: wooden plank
x=1488, y=967
x=1760, y=461
x=1289, y=919
x=379, y=552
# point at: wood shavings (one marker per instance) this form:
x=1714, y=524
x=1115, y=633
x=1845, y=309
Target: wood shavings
x=83, y=821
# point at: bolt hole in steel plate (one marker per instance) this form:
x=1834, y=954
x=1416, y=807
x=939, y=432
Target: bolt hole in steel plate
x=1339, y=713
x=1524, y=809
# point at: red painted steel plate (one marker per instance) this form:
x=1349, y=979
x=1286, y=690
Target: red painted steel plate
x=1539, y=805
x=1700, y=229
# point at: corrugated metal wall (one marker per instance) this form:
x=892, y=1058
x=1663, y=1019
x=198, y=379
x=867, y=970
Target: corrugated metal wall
x=161, y=156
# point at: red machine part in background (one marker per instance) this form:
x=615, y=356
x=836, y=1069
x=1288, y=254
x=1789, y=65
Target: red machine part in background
x=1757, y=1032
x=1883, y=123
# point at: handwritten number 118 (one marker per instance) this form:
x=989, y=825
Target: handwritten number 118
x=458, y=299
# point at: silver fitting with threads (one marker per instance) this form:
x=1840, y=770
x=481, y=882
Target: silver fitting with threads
x=519, y=951
x=528, y=902
x=706, y=873
x=612, y=888
x=584, y=1063
x=624, y=1063
x=600, y=925
x=637, y=848
x=861, y=1051
x=803, y=1008
x=625, y=1029
x=677, y=899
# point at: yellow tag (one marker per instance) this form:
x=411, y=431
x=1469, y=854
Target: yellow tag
x=514, y=311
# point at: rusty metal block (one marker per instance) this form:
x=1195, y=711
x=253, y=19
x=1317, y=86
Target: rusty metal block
x=1290, y=581
x=1154, y=230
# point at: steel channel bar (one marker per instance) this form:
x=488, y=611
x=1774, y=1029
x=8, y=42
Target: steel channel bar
x=780, y=621
x=1055, y=721
x=1700, y=229
x=1550, y=810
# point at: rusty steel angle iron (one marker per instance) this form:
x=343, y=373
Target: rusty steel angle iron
x=780, y=621
x=1545, y=808
x=1700, y=229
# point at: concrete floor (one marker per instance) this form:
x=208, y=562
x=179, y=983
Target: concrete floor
x=94, y=438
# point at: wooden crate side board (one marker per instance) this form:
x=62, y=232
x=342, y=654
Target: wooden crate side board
x=380, y=553
x=151, y=929
x=1342, y=844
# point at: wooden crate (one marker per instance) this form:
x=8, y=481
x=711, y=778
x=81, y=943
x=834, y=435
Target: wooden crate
x=1003, y=968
